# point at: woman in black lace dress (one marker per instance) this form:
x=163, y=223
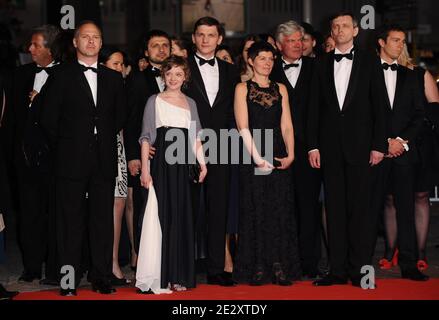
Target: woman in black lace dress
x=267, y=247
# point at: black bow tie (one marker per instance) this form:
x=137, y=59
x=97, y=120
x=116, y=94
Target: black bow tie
x=40, y=69
x=393, y=66
x=291, y=65
x=338, y=56
x=85, y=69
x=202, y=62
x=156, y=72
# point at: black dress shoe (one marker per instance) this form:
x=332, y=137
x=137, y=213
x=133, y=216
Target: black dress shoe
x=220, y=280
x=102, y=287
x=115, y=281
x=329, y=280
x=28, y=277
x=230, y=276
x=144, y=292
x=7, y=295
x=414, y=274
x=68, y=292
x=279, y=276
x=49, y=282
x=257, y=279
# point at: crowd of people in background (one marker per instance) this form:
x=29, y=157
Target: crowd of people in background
x=84, y=144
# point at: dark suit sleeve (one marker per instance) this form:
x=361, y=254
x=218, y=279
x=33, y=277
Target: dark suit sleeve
x=312, y=121
x=135, y=107
x=411, y=131
x=51, y=103
x=379, y=142
x=121, y=104
x=234, y=79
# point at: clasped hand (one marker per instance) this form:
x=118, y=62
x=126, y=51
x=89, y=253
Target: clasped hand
x=396, y=148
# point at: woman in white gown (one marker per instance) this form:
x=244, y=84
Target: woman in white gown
x=166, y=260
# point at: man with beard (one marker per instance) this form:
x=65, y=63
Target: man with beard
x=141, y=86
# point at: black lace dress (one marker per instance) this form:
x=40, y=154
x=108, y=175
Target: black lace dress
x=267, y=225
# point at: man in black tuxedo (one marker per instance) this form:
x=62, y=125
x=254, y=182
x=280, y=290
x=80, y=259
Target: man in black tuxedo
x=295, y=71
x=140, y=86
x=212, y=87
x=83, y=110
x=346, y=136
x=31, y=158
x=395, y=175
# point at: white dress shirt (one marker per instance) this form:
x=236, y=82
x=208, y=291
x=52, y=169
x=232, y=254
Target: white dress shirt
x=41, y=78
x=293, y=73
x=210, y=75
x=342, y=74
x=390, y=78
x=92, y=79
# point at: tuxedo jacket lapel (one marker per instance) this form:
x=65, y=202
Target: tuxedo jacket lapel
x=150, y=80
x=102, y=85
x=197, y=79
x=384, y=88
x=31, y=79
x=302, y=73
x=222, y=82
x=353, y=79
x=400, y=78
x=83, y=83
x=331, y=80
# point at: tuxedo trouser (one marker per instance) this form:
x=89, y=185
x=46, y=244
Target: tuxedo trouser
x=397, y=180
x=217, y=188
x=307, y=183
x=33, y=218
x=347, y=199
x=77, y=215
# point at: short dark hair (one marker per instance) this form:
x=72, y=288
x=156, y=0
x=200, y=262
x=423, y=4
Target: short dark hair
x=209, y=21
x=224, y=47
x=258, y=47
x=183, y=43
x=309, y=29
x=49, y=33
x=176, y=61
x=107, y=51
x=266, y=36
x=83, y=23
x=342, y=14
x=384, y=31
x=63, y=49
x=152, y=34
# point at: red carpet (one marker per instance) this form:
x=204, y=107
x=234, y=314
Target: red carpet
x=387, y=290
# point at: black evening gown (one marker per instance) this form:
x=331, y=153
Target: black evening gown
x=171, y=182
x=267, y=225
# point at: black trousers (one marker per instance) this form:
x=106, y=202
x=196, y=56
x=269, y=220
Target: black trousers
x=33, y=217
x=77, y=215
x=347, y=199
x=307, y=182
x=140, y=195
x=216, y=196
x=391, y=178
